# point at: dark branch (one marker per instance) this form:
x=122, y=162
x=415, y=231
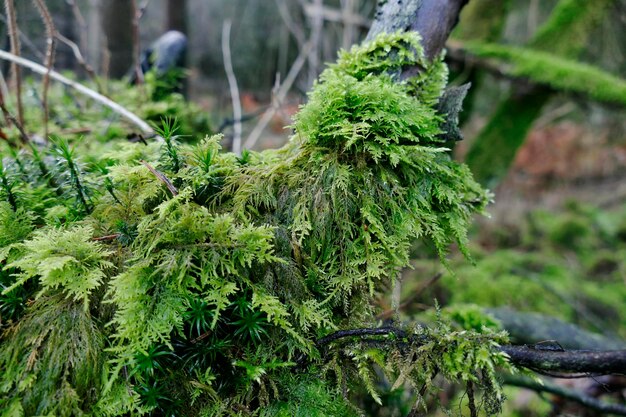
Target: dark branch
x=342, y=334
x=544, y=358
x=575, y=396
x=567, y=361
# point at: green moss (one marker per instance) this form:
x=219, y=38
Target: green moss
x=558, y=73
x=53, y=361
x=567, y=31
x=222, y=272
x=548, y=61
x=482, y=20
x=493, y=151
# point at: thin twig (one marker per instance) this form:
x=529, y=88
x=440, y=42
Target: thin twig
x=136, y=46
x=77, y=86
x=294, y=29
x=106, y=238
x=8, y=116
x=80, y=59
x=317, y=25
x=49, y=61
x=15, y=50
x=279, y=96
x=234, y=89
x=416, y=293
x=82, y=24
x=161, y=178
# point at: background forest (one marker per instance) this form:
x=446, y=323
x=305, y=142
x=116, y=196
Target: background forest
x=543, y=131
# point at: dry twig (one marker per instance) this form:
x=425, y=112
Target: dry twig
x=234, y=89
x=49, y=61
x=279, y=96
x=15, y=50
x=161, y=178
x=79, y=87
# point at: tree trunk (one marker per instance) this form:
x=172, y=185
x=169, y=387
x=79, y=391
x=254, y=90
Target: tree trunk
x=117, y=25
x=433, y=19
x=177, y=15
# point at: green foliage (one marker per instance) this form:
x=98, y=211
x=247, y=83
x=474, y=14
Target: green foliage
x=65, y=259
x=491, y=154
x=565, y=264
x=567, y=31
x=216, y=275
x=53, y=361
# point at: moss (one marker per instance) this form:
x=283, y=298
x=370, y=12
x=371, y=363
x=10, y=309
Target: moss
x=482, y=20
x=224, y=271
x=548, y=60
x=567, y=31
x=493, y=151
x=553, y=71
x=54, y=361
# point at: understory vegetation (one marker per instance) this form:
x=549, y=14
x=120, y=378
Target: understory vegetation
x=176, y=279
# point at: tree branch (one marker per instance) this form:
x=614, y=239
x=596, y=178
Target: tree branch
x=77, y=86
x=433, y=19
x=567, y=361
x=539, y=358
x=530, y=328
x=575, y=396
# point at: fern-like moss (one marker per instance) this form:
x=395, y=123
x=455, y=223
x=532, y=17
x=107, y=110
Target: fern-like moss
x=53, y=360
x=218, y=274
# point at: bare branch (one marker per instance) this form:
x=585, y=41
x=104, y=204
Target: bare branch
x=82, y=24
x=81, y=60
x=15, y=50
x=49, y=61
x=567, y=361
x=293, y=28
x=136, y=47
x=578, y=397
x=77, y=86
x=234, y=89
x=279, y=96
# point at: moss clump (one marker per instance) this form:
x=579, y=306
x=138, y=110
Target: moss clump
x=221, y=272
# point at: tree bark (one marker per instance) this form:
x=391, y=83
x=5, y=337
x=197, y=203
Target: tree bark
x=117, y=25
x=177, y=15
x=433, y=19
x=567, y=361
